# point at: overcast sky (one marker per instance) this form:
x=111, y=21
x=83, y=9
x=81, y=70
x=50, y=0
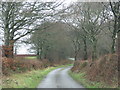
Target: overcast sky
x=67, y=1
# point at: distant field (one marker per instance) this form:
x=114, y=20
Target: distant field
x=31, y=57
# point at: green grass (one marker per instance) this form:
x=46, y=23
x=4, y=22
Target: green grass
x=29, y=79
x=81, y=78
x=31, y=57
x=26, y=80
x=0, y=86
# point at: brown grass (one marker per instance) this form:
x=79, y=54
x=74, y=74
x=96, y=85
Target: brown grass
x=20, y=64
x=105, y=69
x=11, y=65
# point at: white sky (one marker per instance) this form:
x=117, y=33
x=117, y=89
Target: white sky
x=68, y=1
x=23, y=49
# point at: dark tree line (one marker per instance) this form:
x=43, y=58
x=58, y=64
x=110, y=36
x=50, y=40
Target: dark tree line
x=90, y=21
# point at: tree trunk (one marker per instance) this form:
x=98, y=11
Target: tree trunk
x=113, y=46
x=114, y=37
x=6, y=36
x=118, y=47
x=85, y=50
x=8, y=50
x=94, y=52
x=46, y=52
x=11, y=55
x=75, y=55
x=37, y=53
x=45, y=55
x=41, y=53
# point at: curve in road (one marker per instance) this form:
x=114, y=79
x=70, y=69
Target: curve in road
x=59, y=78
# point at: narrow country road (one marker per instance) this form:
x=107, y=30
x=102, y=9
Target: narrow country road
x=59, y=78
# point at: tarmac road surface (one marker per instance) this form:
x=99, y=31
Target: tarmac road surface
x=59, y=78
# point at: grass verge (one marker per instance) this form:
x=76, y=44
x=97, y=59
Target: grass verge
x=81, y=78
x=29, y=79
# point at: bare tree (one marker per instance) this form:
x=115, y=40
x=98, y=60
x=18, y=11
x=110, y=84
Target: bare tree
x=115, y=8
x=91, y=22
x=21, y=18
x=51, y=43
x=88, y=20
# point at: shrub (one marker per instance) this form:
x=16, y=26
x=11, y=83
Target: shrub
x=12, y=66
x=105, y=69
x=19, y=65
x=84, y=64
